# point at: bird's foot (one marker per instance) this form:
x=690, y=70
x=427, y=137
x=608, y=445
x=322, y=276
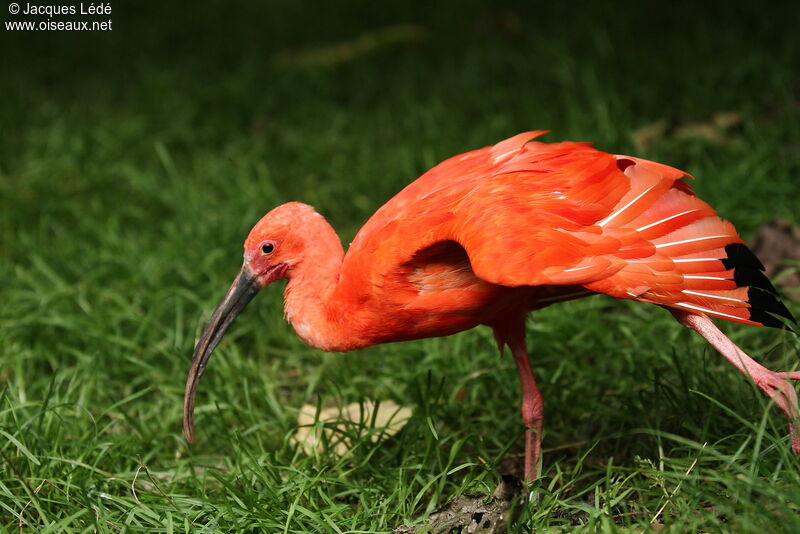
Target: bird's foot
x=776, y=385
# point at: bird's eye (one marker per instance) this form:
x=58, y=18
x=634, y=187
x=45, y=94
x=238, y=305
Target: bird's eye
x=267, y=248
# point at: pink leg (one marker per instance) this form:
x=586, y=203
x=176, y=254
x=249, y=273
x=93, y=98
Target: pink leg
x=775, y=384
x=532, y=411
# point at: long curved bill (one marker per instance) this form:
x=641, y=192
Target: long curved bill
x=241, y=292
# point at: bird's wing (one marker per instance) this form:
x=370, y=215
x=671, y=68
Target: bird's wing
x=630, y=228
x=532, y=214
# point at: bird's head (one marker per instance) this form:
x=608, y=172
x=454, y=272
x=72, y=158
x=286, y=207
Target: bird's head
x=272, y=249
x=274, y=245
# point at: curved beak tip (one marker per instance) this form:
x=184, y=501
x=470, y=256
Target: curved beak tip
x=241, y=292
x=188, y=433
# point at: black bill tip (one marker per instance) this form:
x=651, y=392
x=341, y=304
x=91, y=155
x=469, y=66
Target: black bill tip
x=239, y=295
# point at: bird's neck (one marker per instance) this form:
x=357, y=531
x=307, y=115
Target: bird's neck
x=311, y=304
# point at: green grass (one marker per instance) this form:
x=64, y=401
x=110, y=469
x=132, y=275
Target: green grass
x=132, y=165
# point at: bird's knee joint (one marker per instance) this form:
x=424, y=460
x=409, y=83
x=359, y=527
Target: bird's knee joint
x=532, y=413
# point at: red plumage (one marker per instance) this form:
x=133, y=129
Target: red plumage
x=487, y=236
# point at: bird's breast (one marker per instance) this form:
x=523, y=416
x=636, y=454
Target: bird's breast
x=307, y=332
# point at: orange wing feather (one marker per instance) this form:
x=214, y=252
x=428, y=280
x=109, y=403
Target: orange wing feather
x=536, y=214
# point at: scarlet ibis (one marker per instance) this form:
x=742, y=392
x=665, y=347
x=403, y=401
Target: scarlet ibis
x=487, y=236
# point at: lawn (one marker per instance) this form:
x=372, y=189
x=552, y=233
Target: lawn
x=133, y=163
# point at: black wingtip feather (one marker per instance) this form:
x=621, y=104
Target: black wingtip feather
x=768, y=302
x=741, y=256
x=747, y=277
x=765, y=319
x=765, y=305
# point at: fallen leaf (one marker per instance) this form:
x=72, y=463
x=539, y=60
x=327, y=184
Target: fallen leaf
x=380, y=419
x=330, y=55
x=474, y=513
x=719, y=128
x=648, y=134
x=503, y=21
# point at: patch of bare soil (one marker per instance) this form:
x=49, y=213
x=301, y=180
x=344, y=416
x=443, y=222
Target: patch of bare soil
x=777, y=245
x=475, y=513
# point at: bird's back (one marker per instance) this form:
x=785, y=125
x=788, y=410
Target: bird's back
x=527, y=213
